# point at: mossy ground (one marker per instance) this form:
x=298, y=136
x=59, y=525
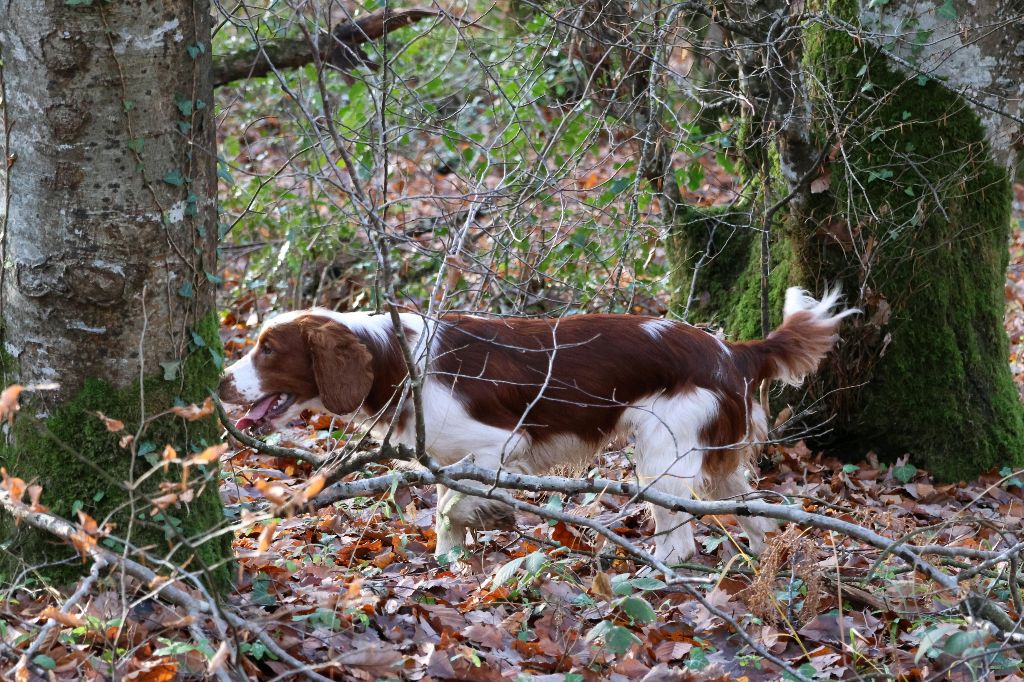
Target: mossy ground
x=80, y=464
x=929, y=212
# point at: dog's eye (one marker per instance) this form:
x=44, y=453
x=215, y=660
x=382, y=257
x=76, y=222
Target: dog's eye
x=266, y=350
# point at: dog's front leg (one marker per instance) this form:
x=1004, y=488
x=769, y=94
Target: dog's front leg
x=450, y=533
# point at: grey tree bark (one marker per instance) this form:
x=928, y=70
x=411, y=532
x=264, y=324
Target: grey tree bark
x=109, y=249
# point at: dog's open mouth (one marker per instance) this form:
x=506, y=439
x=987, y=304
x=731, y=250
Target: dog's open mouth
x=266, y=409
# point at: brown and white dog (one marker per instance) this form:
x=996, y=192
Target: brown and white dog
x=529, y=394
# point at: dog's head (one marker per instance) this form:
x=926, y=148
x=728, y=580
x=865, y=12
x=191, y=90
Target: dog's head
x=301, y=360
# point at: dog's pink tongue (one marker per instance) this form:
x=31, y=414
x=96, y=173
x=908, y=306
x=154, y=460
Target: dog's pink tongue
x=256, y=412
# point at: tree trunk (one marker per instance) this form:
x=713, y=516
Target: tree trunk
x=109, y=250
x=909, y=210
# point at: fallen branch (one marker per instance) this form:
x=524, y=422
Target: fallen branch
x=163, y=587
x=339, y=48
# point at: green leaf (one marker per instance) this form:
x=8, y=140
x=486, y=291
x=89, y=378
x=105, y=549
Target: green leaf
x=922, y=80
x=883, y=174
x=184, y=105
x=639, y=609
x=127, y=104
x=961, y=641
x=535, y=562
x=697, y=660
x=136, y=144
x=931, y=637
x=904, y=473
x=947, y=11
x=850, y=468
x=617, y=639
x=175, y=178
x=42, y=660
x=186, y=290
x=646, y=584
x=712, y=542
x=505, y=573
x=906, y=115
x=171, y=369
x=807, y=670
x=197, y=339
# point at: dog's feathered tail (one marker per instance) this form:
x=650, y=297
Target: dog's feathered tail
x=796, y=347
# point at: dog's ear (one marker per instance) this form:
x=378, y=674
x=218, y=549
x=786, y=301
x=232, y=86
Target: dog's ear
x=342, y=366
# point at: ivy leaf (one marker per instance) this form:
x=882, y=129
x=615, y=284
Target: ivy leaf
x=186, y=290
x=184, y=105
x=171, y=369
x=197, y=339
x=43, y=661
x=136, y=144
x=175, y=178
x=904, y=473
x=218, y=359
x=947, y=11
x=639, y=609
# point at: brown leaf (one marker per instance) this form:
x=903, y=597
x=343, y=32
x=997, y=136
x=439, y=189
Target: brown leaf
x=65, y=619
x=314, y=486
x=602, y=586
x=219, y=658
x=210, y=454
x=821, y=183
x=266, y=537
x=14, y=486
x=9, y=402
x=35, y=491
x=156, y=670
x=163, y=502
x=113, y=425
x=194, y=412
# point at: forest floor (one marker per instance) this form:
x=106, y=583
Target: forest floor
x=356, y=587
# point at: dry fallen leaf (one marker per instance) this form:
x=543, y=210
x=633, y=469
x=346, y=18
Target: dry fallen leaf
x=14, y=486
x=113, y=425
x=602, y=586
x=266, y=537
x=314, y=486
x=9, y=402
x=66, y=619
x=194, y=412
x=210, y=454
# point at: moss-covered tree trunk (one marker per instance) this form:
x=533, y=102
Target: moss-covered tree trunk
x=909, y=208
x=109, y=249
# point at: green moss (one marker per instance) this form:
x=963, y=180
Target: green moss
x=722, y=250
x=710, y=244
x=79, y=463
x=929, y=214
